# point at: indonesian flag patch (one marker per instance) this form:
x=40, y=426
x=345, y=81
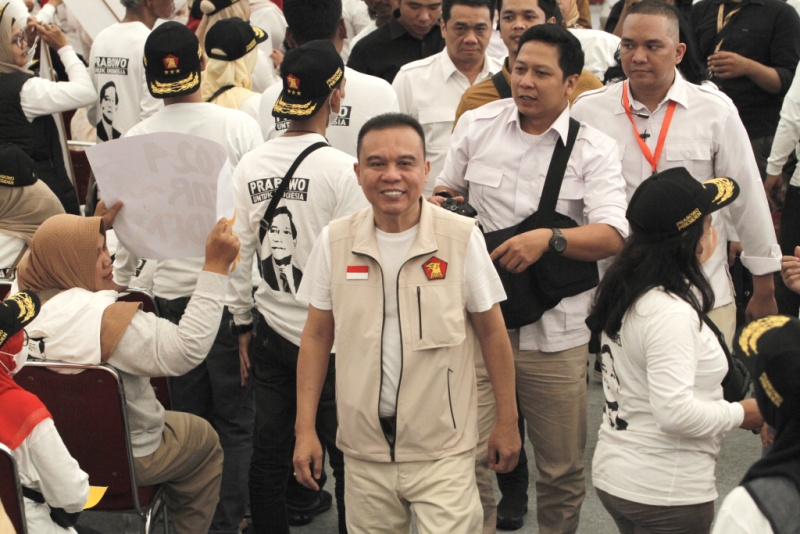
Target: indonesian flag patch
x=435, y=269
x=357, y=272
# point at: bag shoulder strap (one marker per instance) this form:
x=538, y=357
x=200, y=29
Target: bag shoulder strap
x=501, y=84
x=778, y=499
x=723, y=345
x=278, y=194
x=557, y=168
x=219, y=92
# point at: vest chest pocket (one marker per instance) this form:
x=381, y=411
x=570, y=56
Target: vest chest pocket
x=437, y=315
x=695, y=156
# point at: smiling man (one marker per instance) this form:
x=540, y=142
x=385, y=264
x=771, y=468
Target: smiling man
x=498, y=159
x=411, y=291
x=662, y=121
x=429, y=89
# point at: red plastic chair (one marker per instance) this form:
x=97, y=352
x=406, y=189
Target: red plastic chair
x=11, y=490
x=89, y=412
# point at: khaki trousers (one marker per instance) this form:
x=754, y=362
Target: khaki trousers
x=724, y=318
x=442, y=493
x=189, y=464
x=487, y=416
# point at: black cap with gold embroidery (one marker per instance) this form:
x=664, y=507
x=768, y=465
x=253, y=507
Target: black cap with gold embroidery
x=172, y=59
x=309, y=72
x=16, y=312
x=670, y=201
x=16, y=167
x=230, y=39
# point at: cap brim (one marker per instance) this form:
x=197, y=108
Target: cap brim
x=261, y=35
x=721, y=192
x=170, y=87
x=294, y=108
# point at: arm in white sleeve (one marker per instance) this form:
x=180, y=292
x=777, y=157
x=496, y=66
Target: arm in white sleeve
x=788, y=133
x=672, y=344
x=147, y=104
x=604, y=195
x=457, y=159
x=749, y=212
x=240, y=291
x=152, y=346
x=125, y=263
x=402, y=87
x=44, y=97
x=46, y=14
x=62, y=483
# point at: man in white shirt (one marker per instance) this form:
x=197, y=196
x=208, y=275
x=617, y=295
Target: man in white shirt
x=498, y=159
x=116, y=59
x=213, y=390
x=430, y=89
x=367, y=96
x=323, y=188
x=662, y=121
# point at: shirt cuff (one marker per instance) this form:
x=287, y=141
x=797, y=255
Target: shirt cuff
x=759, y=265
x=242, y=317
x=212, y=285
x=774, y=168
x=64, y=49
x=737, y=414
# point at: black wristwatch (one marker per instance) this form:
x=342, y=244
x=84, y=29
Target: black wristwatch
x=558, y=243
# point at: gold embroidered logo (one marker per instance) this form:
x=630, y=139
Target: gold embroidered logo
x=6, y=180
x=689, y=219
x=170, y=62
x=725, y=189
x=748, y=341
x=769, y=389
x=435, y=269
x=27, y=309
x=333, y=80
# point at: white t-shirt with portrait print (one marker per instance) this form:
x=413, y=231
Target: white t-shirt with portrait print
x=481, y=284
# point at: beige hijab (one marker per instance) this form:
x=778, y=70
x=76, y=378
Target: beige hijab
x=7, y=62
x=23, y=209
x=63, y=256
x=239, y=9
x=220, y=73
x=572, y=18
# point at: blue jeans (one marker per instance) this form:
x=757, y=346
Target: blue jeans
x=213, y=391
x=274, y=367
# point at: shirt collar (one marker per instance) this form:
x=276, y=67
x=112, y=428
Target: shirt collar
x=677, y=92
x=395, y=28
x=560, y=125
x=744, y=2
x=449, y=68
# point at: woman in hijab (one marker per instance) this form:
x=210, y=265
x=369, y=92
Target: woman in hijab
x=25, y=202
x=55, y=488
x=69, y=268
x=768, y=498
x=663, y=364
x=231, y=47
x=28, y=102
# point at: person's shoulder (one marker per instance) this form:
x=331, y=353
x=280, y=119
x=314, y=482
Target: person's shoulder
x=596, y=36
x=658, y=301
x=490, y=111
x=364, y=46
x=335, y=159
x=597, y=138
x=709, y=93
x=360, y=80
x=419, y=66
x=589, y=98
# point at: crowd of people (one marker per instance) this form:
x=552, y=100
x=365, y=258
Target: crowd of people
x=443, y=210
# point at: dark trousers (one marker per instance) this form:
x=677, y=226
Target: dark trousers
x=789, y=238
x=274, y=361
x=213, y=391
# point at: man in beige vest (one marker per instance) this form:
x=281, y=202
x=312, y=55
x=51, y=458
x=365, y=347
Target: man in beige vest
x=407, y=290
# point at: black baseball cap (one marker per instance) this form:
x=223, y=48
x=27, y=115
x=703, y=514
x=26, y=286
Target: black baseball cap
x=172, y=59
x=774, y=342
x=210, y=7
x=16, y=312
x=309, y=72
x=16, y=167
x=670, y=201
x=230, y=39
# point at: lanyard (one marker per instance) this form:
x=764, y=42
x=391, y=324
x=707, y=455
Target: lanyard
x=653, y=159
x=721, y=23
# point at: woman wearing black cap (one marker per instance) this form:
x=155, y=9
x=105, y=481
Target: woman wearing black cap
x=665, y=415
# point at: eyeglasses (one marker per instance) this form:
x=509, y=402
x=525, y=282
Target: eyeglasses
x=19, y=39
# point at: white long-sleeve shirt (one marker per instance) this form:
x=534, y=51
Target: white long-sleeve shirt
x=40, y=97
x=708, y=138
x=787, y=136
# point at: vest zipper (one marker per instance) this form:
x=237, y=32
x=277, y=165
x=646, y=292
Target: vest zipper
x=419, y=309
x=449, y=398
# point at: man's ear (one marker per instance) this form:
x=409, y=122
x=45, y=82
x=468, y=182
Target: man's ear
x=342, y=30
x=572, y=83
x=357, y=170
x=679, y=52
x=289, y=39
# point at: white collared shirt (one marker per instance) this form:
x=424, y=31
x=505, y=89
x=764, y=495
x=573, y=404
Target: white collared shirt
x=599, y=48
x=502, y=171
x=787, y=136
x=708, y=138
x=429, y=90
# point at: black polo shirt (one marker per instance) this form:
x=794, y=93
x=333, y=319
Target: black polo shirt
x=384, y=51
x=766, y=31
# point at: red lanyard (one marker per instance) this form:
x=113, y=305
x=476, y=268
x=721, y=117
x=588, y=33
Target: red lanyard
x=661, y=136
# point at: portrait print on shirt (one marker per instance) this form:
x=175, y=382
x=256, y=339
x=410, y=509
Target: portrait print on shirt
x=280, y=239
x=109, y=102
x=611, y=390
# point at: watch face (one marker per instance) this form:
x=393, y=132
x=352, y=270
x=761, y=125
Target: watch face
x=558, y=243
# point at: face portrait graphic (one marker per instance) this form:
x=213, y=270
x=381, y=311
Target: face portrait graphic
x=282, y=239
x=108, y=103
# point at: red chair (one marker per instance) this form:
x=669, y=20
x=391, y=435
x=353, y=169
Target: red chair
x=11, y=490
x=88, y=408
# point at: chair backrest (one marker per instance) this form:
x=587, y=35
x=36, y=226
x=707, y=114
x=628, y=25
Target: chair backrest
x=10, y=490
x=88, y=409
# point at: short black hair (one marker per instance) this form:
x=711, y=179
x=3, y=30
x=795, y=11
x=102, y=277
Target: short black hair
x=549, y=7
x=311, y=20
x=570, y=53
x=660, y=8
x=109, y=85
x=447, y=5
x=283, y=210
x=386, y=121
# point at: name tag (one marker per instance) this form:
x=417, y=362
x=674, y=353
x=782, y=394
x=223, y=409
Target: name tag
x=357, y=272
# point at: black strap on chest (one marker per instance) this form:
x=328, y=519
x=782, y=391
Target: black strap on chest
x=501, y=84
x=219, y=92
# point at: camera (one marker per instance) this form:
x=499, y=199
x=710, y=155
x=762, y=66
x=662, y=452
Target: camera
x=451, y=204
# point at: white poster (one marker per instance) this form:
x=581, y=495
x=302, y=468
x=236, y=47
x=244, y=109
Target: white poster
x=96, y=15
x=174, y=188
